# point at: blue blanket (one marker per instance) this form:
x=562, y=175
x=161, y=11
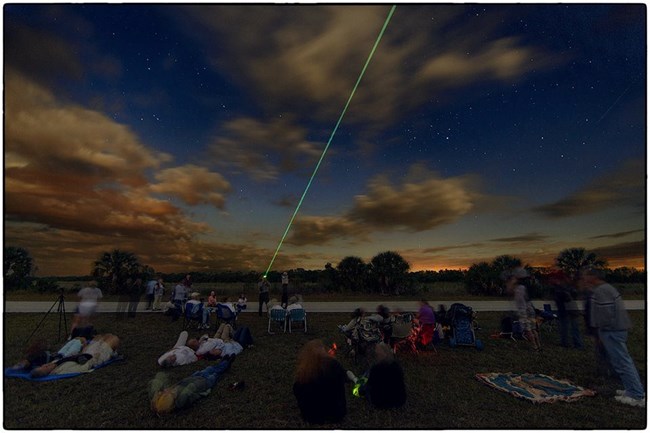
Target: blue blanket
x=24, y=374
x=537, y=388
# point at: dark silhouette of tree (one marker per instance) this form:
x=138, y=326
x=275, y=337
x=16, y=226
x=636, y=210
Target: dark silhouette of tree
x=18, y=267
x=390, y=271
x=353, y=273
x=113, y=269
x=571, y=260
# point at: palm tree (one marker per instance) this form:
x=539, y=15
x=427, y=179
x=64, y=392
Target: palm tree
x=390, y=270
x=18, y=267
x=353, y=273
x=572, y=260
x=113, y=269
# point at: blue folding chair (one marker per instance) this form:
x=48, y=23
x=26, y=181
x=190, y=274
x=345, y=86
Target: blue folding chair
x=278, y=316
x=297, y=315
x=226, y=315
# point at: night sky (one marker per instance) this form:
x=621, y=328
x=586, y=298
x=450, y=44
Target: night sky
x=186, y=134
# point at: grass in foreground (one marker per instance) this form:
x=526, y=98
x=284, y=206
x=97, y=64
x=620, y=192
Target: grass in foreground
x=442, y=390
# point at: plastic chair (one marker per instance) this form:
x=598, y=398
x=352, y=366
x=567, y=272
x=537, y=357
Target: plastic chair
x=192, y=314
x=549, y=316
x=279, y=317
x=226, y=315
x=297, y=315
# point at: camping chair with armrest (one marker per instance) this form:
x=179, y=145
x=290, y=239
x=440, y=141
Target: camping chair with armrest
x=226, y=315
x=192, y=315
x=278, y=316
x=297, y=315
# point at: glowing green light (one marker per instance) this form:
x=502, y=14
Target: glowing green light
x=354, y=89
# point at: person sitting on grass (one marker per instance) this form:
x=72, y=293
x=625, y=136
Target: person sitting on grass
x=98, y=351
x=165, y=398
x=182, y=353
x=319, y=385
x=383, y=384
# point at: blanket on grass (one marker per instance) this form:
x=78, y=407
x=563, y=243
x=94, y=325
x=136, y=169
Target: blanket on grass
x=24, y=374
x=536, y=388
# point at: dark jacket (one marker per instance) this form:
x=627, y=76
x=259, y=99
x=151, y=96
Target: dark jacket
x=385, y=387
x=322, y=401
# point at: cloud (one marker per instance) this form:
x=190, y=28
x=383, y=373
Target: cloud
x=264, y=149
x=623, y=254
x=617, y=235
x=531, y=237
x=311, y=57
x=312, y=230
x=624, y=186
x=193, y=184
x=72, y=252
x=423, y=201
x=82, y=180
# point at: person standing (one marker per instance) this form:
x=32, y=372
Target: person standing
x=567, y=309
x=179, y=295
x=525, y=309
x=608, y=315
x=89, y=299
x=158, y=292
x=149, y=293
x=285, y=290
x=264, y=287
x=427, y=319
x=135, y=291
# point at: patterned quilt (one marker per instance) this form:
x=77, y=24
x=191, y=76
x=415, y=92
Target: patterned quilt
x=537, y=388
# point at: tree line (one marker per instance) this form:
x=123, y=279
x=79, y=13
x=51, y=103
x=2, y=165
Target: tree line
x=386, y=273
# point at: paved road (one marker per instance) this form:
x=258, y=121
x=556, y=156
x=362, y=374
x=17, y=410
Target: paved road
x=322, y=307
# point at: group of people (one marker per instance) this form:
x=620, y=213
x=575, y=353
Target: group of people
x=320, y=383
x=223, y=347
x=77, y=355
x=264, y=288
x=606, y=320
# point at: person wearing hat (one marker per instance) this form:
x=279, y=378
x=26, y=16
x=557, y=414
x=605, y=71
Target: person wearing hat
x=165, y=398
x=285, y=289
x=525, y=309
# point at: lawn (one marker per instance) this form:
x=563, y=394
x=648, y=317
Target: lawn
x=442, y=390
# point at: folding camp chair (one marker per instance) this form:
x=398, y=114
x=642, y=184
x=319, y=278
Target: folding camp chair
x=279, y=317
x=550, y=317
x=226, y=315
x=296, y=315
x=193, y=315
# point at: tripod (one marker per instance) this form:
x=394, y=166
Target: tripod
x=61, y=310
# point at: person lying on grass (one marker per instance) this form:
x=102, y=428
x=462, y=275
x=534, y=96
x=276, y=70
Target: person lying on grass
x=188, y=351
x=383, y=384
x=221, y=345
x=99, y=350
x=37, y=355
x=182, y=353
x=165, y=398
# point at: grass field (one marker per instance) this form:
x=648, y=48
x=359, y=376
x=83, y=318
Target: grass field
x=442, y=390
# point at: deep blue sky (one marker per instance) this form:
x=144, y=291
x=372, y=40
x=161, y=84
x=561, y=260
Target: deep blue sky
x=186, y=134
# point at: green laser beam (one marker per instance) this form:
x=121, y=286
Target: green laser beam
x=354, y=89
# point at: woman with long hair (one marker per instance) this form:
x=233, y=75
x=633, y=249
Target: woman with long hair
x=319, y=385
